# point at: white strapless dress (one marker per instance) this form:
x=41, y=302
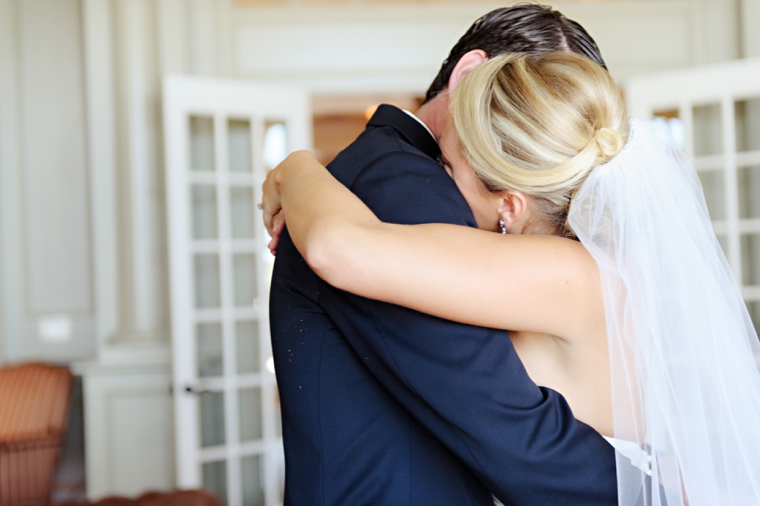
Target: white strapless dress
x=638, y=457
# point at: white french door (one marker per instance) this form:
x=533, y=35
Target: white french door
x=221, y=137
x=715, y=111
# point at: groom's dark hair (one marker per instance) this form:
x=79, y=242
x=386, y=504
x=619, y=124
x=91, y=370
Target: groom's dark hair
x=523, y=28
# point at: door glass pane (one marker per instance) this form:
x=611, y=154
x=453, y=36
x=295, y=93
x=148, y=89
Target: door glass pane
x=206, y=270
x=750, y=247
x=754, y=313
x=239, y=132
x=241, y=202
x=249, y=401
x=215, y=479
x=712, y=185
x=212, y=418
x=277, y=414
x=247, y=340
x=267, y=260
x=747, y=114
x=244, y=274
x=276, y=462
x=201, y=144
x=723, y=241
x=275, y=143
x=674, y=125
x=210, y=355
x=251, y=477
x=203, y=201
x=708, y=137
x=749, y=192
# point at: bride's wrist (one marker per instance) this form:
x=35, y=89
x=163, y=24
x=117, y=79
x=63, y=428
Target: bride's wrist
x=291, y=161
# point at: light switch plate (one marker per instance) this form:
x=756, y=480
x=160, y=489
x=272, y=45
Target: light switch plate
x=54, y=328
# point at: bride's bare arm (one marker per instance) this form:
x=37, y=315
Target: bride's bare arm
x=517, y=282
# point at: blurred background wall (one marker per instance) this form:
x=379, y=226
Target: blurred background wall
x=83, y=264
x=83, y=253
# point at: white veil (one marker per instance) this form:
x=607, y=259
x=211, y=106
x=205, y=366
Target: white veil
x=685, y=384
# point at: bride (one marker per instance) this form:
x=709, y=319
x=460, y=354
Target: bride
x=606, y=272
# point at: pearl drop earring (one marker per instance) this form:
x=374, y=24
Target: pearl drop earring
x=503, y=226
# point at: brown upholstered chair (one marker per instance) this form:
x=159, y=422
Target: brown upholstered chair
x=176, y=498
x=34, y=401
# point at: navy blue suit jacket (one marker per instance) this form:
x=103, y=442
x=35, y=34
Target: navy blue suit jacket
x=385, y=405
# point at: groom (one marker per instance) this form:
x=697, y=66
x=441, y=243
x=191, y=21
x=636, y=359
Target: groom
x=382, y=405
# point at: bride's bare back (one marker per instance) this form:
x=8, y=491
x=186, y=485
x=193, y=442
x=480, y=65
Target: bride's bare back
x=579, y=370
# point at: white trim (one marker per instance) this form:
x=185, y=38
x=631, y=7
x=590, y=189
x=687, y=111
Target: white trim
x=223, y=100
x=171, y=17
x=306, y=44
x=139, y=89
x=730, y=186
x=224, y=16
x=101, y=385
x=11, y=211
x=203, y=41
x=750, y=19
x=181, y=287
x=646, y=94
x=101, y=144
x=465, y=12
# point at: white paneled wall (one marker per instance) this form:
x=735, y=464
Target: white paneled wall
x=48, y=308
x=97, y=25
x=749, y=12
x=129, y=428
x=83, y=214
x=83, y=253
x=309, y=44
x=82, y=210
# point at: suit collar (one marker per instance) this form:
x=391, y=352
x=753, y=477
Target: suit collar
x=417, y=135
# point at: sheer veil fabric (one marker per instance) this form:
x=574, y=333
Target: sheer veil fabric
x=685, y=384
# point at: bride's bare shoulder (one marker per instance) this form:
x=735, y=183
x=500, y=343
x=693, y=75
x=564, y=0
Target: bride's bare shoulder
x=550, y=251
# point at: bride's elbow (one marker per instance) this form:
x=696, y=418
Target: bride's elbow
x=325, y=252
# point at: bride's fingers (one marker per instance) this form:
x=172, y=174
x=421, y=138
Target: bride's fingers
x=273, y=245
x=279, y=223
x=270, y=203
x=269, y=216
x=277, y=228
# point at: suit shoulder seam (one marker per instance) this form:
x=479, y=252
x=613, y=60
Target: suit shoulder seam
x=403, y=150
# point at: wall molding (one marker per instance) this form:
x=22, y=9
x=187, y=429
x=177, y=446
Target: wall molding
x=269, y=43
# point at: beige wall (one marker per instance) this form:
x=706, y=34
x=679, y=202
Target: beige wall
x=81, y=167
x=82, y=197
x=82, y=211
x=749, y=13
x=337, y=50
x=46, y=254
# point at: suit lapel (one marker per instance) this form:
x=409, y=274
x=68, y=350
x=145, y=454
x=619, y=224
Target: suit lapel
x=413, y=132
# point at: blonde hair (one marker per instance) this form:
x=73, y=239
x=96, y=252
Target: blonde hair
x=539, y=124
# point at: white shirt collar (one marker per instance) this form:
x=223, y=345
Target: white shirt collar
x=418, y=120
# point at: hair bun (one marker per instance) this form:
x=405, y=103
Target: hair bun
x=609, y=142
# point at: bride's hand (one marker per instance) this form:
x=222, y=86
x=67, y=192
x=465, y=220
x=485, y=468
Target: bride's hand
x=271, y=203
x=278, y=224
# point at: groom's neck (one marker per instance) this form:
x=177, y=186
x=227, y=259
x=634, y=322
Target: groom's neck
x=432, y=113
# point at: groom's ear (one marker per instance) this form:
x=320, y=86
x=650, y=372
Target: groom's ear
x=465, y=65
x=512, y=208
